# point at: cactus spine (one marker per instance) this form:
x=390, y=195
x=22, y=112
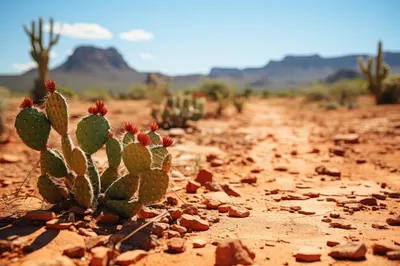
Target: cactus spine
x=41, y=55
x=145, y=155
x=375, y=81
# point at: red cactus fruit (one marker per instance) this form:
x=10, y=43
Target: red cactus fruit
x=131, y=128
x=144, y=139
x=103, y=111
x=50, y=86
x=100, y=104
x=26, y=103
x=93, y=110
x=197, y=95
x=110, y=135
x=153, y=126
x=167, y=141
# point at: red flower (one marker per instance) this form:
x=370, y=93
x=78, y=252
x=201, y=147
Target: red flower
x=166, y=141
x=131, y=128
x=153, y=126
x=100, y=105
x=93, y=110
x=26, y=103
x=103, y=111
x=144, y=139
x=197, y=95
x=110, y=135
x=50, y=86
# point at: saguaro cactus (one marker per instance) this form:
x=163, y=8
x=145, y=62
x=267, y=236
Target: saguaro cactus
x=40, y=55
x=376, y=81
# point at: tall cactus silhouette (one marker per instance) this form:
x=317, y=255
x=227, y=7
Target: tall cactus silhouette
x=40, y=54
x=375, y=81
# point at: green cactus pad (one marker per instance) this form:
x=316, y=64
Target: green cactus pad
x=67, y=147
x=153, y=186
x=114, y=150
x=108, y=177
x=158, y=154
x=78, y=162
x=50, y=191
x=83, y=191
x=53, y=162
x=33, y=128
x=154, y=136
x=128, y=138
x=123, y=188
x=57, y=112
x=92, y=133
x=167, y=164
x=137, y=158
x=124, y=208
x=93, y=176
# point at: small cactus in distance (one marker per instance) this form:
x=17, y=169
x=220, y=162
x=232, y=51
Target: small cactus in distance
x=144, y=154
x=177, y=110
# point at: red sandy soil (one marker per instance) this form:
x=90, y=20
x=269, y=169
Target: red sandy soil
x=280, y=142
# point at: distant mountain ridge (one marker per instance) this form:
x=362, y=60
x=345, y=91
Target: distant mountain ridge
x=92, y=67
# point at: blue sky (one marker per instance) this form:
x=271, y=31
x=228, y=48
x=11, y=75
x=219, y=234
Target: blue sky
x=190, y=36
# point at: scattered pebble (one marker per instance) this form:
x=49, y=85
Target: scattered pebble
x=199, y=243
x=238, y=212
x=233, y=252
x=204, y=176
x=176, y=245
x=194, y=223
x=130, y=257
x=308, y=254
x=40, y=215
x=192, y=186
x=350, y=251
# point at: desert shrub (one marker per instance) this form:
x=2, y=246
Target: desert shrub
x=216, y=89
x=137, y=92
x=329, y=105
x=94, y=94
x=238, y=102
x=346, y=92
x=266, y=93
x=318, y=92
x=391, y=91
x=67, y=92
x=247, y=92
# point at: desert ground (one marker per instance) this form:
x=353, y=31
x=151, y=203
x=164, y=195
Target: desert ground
x=285, y=179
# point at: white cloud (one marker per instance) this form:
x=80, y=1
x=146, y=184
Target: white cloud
x=136, y=35
x=81, y=30
x=69, y=52
x=53, y=54
x=146, y=56
x=24, y=67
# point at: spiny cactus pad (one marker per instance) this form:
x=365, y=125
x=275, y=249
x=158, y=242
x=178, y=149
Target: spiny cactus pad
x=137, y=158
x=123, y=188
x=57, y=112
x=108, y=177
x=114, y=150
x=33, y=128
x=83, y=192
x=93, y=176
x=53, y=162
x=92, y=133
x=153, y=186
x=49, y=190
x=124, y=208
x=78, y=162
x=67, y=147
x=167, y=164
x=158, y=154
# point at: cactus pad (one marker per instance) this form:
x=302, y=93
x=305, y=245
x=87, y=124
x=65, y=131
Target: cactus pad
x=128, y=138
x=158, y=154
x=78, y=162
x=49, y=190
x=167, y=164
x=113, y=149
x=123, y=188
x=83, y=191
x=57, y=112
x=92, y=133
x=33, y=128
x=137, y=158
x=154, y=136
x=93, y=176
x=53, y=162
x=108, y=177
x=124, y=208
x=153, y=186
x=67, y=147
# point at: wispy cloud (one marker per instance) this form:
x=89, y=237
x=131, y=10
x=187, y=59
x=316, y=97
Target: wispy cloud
x=81, y=30
x=24, y=66
x=147, y=56
x=53, y=54
x=136, y=35
x=69, y=52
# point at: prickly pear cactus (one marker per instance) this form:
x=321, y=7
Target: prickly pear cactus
x=73, y=174
x=32, y=126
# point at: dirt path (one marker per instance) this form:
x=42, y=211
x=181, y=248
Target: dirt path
x=291, y=206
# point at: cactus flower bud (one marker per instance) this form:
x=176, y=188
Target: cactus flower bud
x=110, y=135
x=50, y=86
x=131, y=128
x=103, y=111
x=153, y=126
x=144, y=139
x=92, y=110
x=166, y=141
x=26, y=103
